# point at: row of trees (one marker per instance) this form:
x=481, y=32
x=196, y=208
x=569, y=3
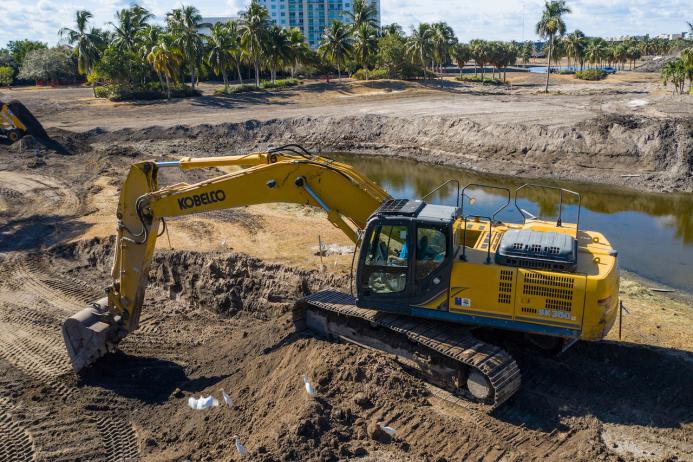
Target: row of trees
x=136, y=52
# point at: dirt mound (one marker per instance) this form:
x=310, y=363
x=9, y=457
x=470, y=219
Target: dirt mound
x=655, y=64
x=599, y=150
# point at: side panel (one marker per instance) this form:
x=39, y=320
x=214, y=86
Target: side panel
x=554, y=299
x=482, y=290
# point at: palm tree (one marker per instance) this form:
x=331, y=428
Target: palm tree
x=480, y=53
x=185, y=23
x=131, y=21
x=392, y=29
x=336, y=44
x=674, y=71
x=166, y=59
x=575, y=44
x=687, y=60
x=233, y=32
x=365, y=45
x=527, y=51
x=442, y=38
x=461, y=53
x=419, y=45
x=255, y=22
x=219, y=52
x=276, y=48
x=596, y=51
x=86, y=43
x=298, y=48
x=363, y=12
x=550, y=24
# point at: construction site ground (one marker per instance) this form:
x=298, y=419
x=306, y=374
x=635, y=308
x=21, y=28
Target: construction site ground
x=218, y=312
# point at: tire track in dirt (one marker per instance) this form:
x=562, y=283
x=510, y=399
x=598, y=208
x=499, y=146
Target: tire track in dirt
x=34, y=299
x=17, y=443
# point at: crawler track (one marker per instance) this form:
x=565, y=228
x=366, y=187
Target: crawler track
x=455, y=346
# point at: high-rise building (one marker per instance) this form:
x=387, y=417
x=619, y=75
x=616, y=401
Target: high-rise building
x=311, y=16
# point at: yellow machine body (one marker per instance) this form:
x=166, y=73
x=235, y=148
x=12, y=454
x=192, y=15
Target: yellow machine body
x=477, y=291
x=583, y=303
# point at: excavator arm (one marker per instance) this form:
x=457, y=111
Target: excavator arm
x=289, y=176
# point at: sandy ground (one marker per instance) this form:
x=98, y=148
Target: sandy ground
x=215, y=317
x=570, y=101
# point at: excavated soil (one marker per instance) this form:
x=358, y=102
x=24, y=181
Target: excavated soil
x=222, y=319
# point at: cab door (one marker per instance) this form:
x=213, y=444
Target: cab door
x=383, y=277
x=432, y=262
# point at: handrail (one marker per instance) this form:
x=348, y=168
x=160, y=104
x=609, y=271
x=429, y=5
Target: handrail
x=500, y=209
x=559, y=222
x=444, y=184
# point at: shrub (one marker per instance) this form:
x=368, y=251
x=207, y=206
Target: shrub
x=279, y=83
x=233, y=89
x=477, y=79
x=566, y=72
x=591, y=74
x=152, y=91
x=6, y=76
x=375, y=74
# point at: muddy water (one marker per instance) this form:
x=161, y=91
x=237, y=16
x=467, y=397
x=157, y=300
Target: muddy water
x=652, y=232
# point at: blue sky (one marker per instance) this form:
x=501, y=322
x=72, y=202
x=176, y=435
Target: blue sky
x=491, y=19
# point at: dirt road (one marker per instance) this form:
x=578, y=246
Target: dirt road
x=215, y=318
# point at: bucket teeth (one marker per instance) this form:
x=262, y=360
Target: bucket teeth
x=89, y=334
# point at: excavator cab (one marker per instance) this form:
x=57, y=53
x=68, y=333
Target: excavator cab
x=406, y=256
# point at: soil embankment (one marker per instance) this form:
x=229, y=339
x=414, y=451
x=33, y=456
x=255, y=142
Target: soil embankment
x=636, y=151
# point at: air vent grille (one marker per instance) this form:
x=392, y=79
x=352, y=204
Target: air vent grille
x=505, y=287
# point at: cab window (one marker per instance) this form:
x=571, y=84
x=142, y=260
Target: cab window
x=386, y=260
x=388, y=246
x=431, y=248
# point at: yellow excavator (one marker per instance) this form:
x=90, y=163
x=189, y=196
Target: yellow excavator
x=16, y=121
x=431, y=280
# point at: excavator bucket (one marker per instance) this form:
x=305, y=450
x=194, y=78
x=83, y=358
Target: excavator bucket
x=90, y=333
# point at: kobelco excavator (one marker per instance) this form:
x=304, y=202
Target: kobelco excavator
x=16, y=121
x=429, y=278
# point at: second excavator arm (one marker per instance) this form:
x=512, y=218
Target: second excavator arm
x=290, y=176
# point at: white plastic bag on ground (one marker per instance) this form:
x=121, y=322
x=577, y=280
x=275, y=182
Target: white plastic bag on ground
x=203, y=402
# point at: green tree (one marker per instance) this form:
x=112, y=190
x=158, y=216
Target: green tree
x=299, y=51
x=363, y=12
x=130, y=22
x=166, y=60
x=392, y=56
x=233, y=31
x=461, y=53
x=277, y=49
x=6, y=76
x=86, y=42
x=219, y=56
x=185, y=24
x=575, y=44
x=20, y=48
x=336, y=44
x=392, y=29
x=596, y=51
x=550, y=24
x=255, y=22
x=674, y=72
x=687, y=60
x=51, y=64
x=480, y=53
x=420, y=45
x=527, y=52
x=365, y=45
x=442, y=41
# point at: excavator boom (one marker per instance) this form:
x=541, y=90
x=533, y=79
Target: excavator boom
x=290, y=175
